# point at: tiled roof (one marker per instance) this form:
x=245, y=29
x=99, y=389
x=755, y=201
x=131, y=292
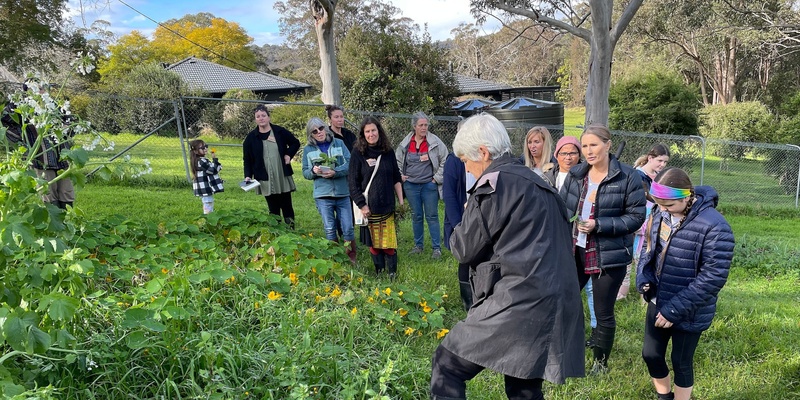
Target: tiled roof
x=6, y=76
x=215, y=78
x=468, y=84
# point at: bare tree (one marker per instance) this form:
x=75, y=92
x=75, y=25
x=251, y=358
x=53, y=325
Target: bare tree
x=602, y=36
x=323, y=11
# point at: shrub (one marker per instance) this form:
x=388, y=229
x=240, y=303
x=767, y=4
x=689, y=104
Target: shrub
x=231, y=119
x=656, y=102
x=745, y=122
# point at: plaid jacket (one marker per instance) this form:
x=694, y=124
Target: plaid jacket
x=207, y=180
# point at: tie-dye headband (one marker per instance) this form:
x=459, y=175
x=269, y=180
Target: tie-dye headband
x=664, y=192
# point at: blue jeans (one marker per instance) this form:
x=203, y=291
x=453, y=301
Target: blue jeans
x=336, y=212
x=424, y=201
x=590, y=300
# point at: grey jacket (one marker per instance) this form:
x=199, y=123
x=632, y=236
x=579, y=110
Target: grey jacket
x=527, y=316
x=437, y=151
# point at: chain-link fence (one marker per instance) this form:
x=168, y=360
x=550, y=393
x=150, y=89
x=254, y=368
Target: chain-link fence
x=743, y=173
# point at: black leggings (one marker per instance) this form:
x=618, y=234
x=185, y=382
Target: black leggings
x=654, y=350
x=605, y=286
x=281, y=202
x=463, y=272
x=451, y=373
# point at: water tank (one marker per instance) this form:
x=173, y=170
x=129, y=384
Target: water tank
x=469, y=107
x=520, y=114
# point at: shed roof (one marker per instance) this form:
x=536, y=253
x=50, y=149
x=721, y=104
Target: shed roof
x=468, y=84
x=215, y=78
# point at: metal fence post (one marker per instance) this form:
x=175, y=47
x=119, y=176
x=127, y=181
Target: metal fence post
x=180, y=135
x=703, y=158
x=797, y=192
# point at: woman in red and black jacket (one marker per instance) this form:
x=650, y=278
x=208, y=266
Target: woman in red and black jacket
x=268, y=150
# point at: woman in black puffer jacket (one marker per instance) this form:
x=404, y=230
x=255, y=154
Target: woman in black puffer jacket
x=608, y=199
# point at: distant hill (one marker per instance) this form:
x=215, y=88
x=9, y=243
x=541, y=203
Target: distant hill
x=273, y=58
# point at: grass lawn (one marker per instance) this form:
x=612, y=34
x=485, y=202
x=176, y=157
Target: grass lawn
x=750, y=352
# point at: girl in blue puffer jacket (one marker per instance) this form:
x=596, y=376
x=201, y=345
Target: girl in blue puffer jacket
x=684, y=264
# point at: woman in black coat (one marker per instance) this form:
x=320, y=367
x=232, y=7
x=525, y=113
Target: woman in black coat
x=268, y=150
x=607, y=199
x=526, y=321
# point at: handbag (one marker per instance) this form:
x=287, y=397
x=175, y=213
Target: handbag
x=358, y=216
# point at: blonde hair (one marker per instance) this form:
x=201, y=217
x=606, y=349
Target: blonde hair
x=547, y=149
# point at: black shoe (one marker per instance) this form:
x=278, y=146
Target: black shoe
x=466, y=294
x=379, y=261
x=391, y=264
x=590, y=340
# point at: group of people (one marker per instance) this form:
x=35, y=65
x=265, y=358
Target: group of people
x=533, y=232
x=528, y=235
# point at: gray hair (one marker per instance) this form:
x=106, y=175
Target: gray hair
x=418, y=116
x=312, y=125
x=481, y=130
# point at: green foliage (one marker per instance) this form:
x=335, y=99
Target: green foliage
x=655, y=102
x=139, y=101
x=394, y=71
x=294, y=118
x=231, y=119
x=27, y=25
x=740, y=121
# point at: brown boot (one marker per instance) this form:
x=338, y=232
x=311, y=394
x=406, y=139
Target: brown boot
x=351, y=250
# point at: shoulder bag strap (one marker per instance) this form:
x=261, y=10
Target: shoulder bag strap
x=374, y=171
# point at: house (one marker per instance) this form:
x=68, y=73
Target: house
x=500, y=91
x=216, y=79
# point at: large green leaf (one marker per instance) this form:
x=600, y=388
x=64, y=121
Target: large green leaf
x=38, y=341
x=62, y=307
x=14, y=333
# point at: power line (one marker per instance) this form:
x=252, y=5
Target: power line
x=187, y=39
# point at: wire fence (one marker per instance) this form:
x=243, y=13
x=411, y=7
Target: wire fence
x=157, y=131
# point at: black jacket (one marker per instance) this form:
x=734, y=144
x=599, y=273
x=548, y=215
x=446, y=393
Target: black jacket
x=381, y=192
x=527, y=317
x=253, y=151
x=619, y=209
x=348, y=137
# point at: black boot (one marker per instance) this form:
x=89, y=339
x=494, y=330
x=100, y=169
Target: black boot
x=64, y=204
x=603, y=342
x=391, y=263
x=435, y=397
x=379, y=261
x=668, y=396
x=466, y=294
x=289, y=221
x=590, y=341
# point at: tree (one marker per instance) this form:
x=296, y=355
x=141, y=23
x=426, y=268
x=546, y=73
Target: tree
x=205, y=36
x=129, y=51
x=394, y=70
x=323, y=11
x=27, y=25
x=602, y=37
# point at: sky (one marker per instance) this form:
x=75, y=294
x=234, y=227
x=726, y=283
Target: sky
x=257, y=17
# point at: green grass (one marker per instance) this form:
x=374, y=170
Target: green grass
x=748, y=353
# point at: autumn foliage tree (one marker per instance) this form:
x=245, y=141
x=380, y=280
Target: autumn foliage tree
x=201, y=35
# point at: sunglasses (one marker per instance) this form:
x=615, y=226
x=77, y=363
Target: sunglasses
x=320, y=129
x=202, y=148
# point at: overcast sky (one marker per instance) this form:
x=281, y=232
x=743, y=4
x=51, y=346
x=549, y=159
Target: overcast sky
x=257, y=17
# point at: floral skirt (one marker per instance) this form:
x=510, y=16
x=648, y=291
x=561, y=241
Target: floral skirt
x=381, y=232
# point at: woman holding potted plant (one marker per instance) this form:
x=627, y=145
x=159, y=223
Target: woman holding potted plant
x=326, y=161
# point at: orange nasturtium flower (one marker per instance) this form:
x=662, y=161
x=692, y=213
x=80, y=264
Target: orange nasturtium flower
x=293, y=278
x=409, y=331
x=273, y=295
x=442, y=332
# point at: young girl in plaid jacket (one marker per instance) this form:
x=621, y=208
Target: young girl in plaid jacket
x=205, y=174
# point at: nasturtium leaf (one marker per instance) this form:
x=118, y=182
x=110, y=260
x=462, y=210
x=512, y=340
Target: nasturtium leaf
x=21, y=232
x=10, y=389
x=199, y=278
x=135, y=317
x=82, y=267
x=154, y=286
x=274, y=278
x=64, y=339
x=176, y=312
x=255, y=277
x=221, y=275
x=154, y=325
x=137, y=340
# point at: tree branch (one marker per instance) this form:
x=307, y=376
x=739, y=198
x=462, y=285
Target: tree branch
x=624, y=20
x=538, y=17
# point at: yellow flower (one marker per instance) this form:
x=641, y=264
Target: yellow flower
x=310, y=311
x=336, y=292
x=205, y=290
x=425, y=307
x=293, y=278
x=257, y=305
x=164, y=271
x=442, y=332
x=318, y=298
x=327, y=289
x=214, y=150
x=403, y=312
x=409, y=331
x=400, y=293
x=233, y=278
x=370, y=299
x=388, y=291
x=384, y=302
x=310, y=234
x=273, y=295
x=377, y=292
x=354, y=311
x=360, y=279
x=152, y=299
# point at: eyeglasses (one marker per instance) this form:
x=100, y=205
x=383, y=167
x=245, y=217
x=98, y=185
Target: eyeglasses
x=202, y=148
x=320, y=129
x=570, y=154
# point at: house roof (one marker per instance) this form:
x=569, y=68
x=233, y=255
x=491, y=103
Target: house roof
x=215, y=78
x=468, y=84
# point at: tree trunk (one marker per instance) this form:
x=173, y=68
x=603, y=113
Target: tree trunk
x=328, y=71
x=600, y=56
